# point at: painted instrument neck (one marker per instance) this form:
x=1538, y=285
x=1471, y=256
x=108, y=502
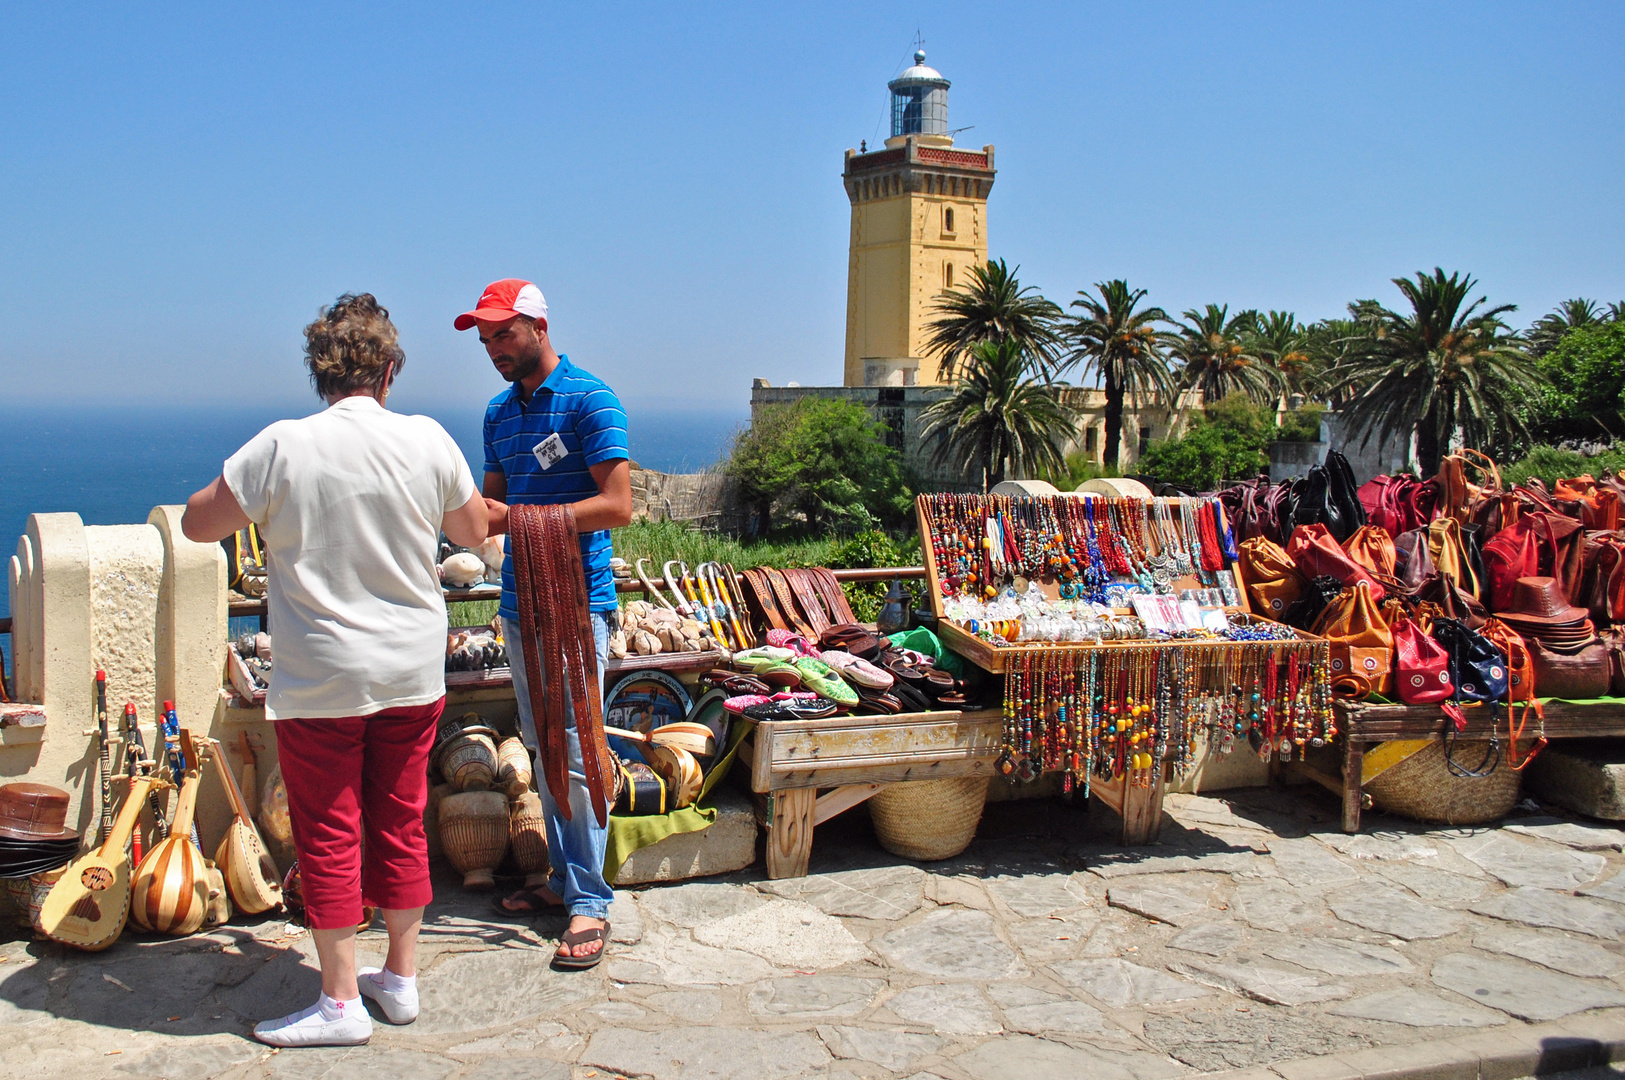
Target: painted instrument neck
x=113, y=848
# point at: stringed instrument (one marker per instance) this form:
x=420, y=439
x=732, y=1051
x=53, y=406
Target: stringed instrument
x=251, y=875
x=89, y=904
x=170, y=890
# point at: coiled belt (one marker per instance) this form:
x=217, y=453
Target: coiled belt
x=550, y=590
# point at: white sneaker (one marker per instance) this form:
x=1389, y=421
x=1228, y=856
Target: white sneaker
x=400, y=1007
x=312, y=1028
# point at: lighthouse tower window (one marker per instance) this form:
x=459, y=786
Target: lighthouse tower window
x=947, y=219
x=947, y=275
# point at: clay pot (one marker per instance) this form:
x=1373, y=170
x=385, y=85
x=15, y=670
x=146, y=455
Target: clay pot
x=39, y=887
x=474, y=834
x=513, y=768
x=469, y=761
x=431, y=819
x=527, y=833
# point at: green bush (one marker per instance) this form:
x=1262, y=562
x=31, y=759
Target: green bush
x=1228, y=441
x=1585, y=373
x=1080, y=469
x=1552, y=463
x=875, y=548
x=820, y=465
x=1302, y=425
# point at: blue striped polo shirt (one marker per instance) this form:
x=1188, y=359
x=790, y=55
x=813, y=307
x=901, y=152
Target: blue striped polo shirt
x=585, y=413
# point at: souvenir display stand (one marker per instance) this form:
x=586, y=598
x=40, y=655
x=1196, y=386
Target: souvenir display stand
x=1365, y=726
x=1193, y=686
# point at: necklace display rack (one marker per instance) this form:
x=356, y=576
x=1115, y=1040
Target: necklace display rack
x=1116, y=717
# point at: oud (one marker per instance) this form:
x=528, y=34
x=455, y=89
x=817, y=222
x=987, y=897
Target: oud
x=88, y=906
x=170, y=891
x=251, y=875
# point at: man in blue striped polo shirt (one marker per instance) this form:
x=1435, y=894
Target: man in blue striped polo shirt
x=556, y=435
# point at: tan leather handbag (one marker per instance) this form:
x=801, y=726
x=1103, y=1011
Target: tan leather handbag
x=1272, y=580
x=1372, y=548
x=1362, y=645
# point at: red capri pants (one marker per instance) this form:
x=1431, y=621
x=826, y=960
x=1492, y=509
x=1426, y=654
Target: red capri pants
x=351, y=777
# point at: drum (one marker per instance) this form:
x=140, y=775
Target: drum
x=527, y=833
x=474, y=834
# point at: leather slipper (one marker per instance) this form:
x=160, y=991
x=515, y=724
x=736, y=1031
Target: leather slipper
x=533, y=901
x=573, y=938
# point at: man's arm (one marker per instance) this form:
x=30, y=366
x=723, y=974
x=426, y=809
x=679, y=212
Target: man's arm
x=612, y=506
x=466, y=525
x=214, y=514
x=495, y=490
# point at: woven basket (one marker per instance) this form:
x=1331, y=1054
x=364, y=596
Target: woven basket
x=928, y=819
x=1423, y=788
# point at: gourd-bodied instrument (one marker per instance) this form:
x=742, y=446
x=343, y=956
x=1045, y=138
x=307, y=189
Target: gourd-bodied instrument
x=143, y=760
x=89, y=904
x=106, y=756
x=250, y=874
x=684, y=608
x=170, y=890
x=250, y=785
x=650, y=588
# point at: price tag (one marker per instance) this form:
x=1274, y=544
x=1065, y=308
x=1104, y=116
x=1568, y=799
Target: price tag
x=549, y=452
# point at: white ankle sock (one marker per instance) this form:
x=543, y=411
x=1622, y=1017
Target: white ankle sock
x=334, y=1009
x=395, y=984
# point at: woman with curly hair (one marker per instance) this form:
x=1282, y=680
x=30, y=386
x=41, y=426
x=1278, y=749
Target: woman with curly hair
x=350, y=503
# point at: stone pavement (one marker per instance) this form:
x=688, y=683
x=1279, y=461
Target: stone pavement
x=1255, y=934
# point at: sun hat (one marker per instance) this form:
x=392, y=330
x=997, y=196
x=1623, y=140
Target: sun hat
x=504, y=299
x=34, y=812
x=1539, y=601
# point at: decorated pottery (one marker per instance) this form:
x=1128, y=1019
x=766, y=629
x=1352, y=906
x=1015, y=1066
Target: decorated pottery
x=431, y=818
x=469, y=762
x=513, y=768
x=474, y=834
x=527, y=833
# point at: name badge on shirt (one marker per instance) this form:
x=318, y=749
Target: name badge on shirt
x=550, y=451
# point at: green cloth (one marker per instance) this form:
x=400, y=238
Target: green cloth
x=629, y=833
x=924, y=641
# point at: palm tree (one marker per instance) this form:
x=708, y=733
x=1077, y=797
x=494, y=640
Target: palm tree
x=1216, y=349
x=1000, y=419
x=1445, y=369
x=994, y=306
x=1123, y=349
x=1569, y=315
x=1284, y=343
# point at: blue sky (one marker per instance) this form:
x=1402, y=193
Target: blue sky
x=182, y=185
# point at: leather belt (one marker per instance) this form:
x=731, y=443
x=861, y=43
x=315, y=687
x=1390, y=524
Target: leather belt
x=550, y=590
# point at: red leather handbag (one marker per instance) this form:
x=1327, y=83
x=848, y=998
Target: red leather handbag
x=1512, y=553
x=1421, y=666
x=1315, y=551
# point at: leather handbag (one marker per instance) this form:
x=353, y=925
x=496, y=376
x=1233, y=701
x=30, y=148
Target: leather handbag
x=1520, y=667
x=1614, y=642
x=1512, y=553
x=1477, y=668
x=1579, y=676
x=1448, y=549
x=1270, y=577
x=1599, y=503
x=1316, y=552
x=1344, y=492
x=1313, y=504
x=1421, y=666
x=1452, y=600
x=1276, y=521
x=1412, y=563
x=1372, y=548
x=1460, y=498
x=1362, y=645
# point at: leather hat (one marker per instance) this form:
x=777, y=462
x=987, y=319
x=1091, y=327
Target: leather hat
x=34, y=812
x=1539, y=601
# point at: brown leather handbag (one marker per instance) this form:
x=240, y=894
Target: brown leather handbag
x=1317, y=553
x=1362, y=645
x=1271, y=578
x=1412, y=563
x=1520, y=665
x=1372, y=548
x=1578, y=677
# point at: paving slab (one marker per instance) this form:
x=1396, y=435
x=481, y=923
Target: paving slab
x=1381, y=846
x=1126, y=863
x=1348, y=958
x=1553, y=949
x=1062, y=1016
x=1262, y=982
x=360, y=1063
x=885, y=893
x=1569, y=833
x=1417, y=1008
x=1435, y=885
x=697, y=1053
x=951, y=943
x=625, y=919
x=1120, y=983
x=1038, y=896
x=1210, y=939
x=516, y=1069
x=669, y=957
x=954, y=1008
x=697, y=903
x=813, y=996
x=1238, y=1037
x=189, y=1059
x=1306, y=863
x=1278, y=906
x=1162, y=901
x=1608, y=889
x=456, y=993
x=1518, y=862
x=1524, y=990
x=1389, y=911
x=898, y=1051
x=1023, y=1057
x=788, y=933
x=1541, y=907
x=1056, y=938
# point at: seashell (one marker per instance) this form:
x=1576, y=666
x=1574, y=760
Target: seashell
x=462, y=570
x=262, y=646
x=474, y=834
x=513, y=768
x=691, y=628
x=527, y=835
x=670, y=639
x=490, y=553
x=455, y=641
x=493, y=575
x=617, y=645
x=643, y=643
x=629, y=621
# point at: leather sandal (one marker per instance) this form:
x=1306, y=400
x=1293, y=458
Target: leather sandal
x=573, y=938
x=535, y=904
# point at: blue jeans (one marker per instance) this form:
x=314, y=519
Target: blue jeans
x=575, y=848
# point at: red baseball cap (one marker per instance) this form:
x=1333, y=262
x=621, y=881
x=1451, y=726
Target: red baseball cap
x=504, y=299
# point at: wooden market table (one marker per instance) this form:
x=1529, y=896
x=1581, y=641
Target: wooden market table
x=1362, y=725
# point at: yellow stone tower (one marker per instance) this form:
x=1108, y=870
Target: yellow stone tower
x=919, y=223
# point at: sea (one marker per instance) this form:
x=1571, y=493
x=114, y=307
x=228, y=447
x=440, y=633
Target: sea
x=111, y=465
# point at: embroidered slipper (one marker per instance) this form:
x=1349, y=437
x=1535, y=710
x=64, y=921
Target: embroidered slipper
x=797, y=643
x=533, y=899
x=822, y=678
x=861, y=673
x=763, y=656
x=573, y=938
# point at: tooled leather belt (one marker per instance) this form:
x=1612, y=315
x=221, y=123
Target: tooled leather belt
x=550, y=590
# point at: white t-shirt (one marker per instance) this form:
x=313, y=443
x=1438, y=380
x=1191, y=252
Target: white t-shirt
x=349, y=504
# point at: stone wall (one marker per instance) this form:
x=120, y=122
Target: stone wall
x=707, y=499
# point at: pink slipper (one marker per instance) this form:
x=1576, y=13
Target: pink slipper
x=858, y=670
